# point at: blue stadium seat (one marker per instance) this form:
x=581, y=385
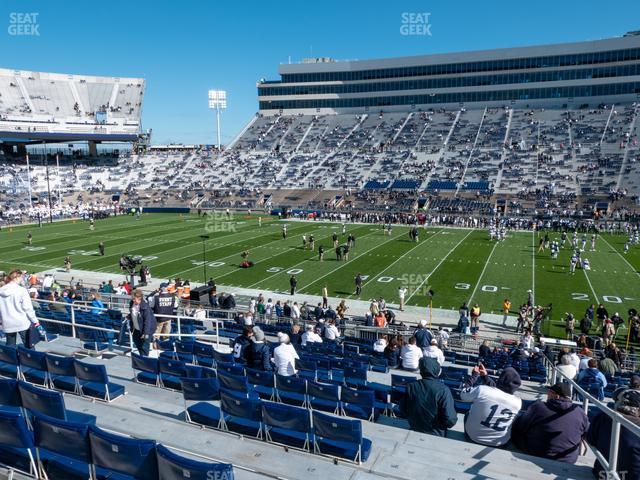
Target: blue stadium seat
x=17, y=448
x=63, y=448
x=203, y=391
x=324, y=396
x=355, y=376
x=287, y=425
x=291, y=390
x=222, y=357
x=358, y=403
x=230, y=368
x=170, y=373
x=236, y=383
x=9, y=364
x=172, y=466
x=147, y=368
x=93, y=381
x=203, y=353
x=49, y=403
x=33, y=366
x=240, y=414
x=263, y=383
x=10, y=395
x=339, y=437
x=136, y=459
x=62, y=373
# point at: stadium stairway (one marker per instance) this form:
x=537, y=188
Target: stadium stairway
x=151, y=412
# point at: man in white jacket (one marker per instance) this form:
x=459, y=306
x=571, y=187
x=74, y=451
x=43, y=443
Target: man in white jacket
x=433, y=351
x=284, y=356
x=16, y=310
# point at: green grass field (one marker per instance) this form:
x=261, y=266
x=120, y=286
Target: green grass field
x=458, y=264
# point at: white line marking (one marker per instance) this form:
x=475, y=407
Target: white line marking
x=438, y=266
x=475, y=289
x=621, y=256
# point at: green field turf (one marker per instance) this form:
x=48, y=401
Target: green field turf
x=458, y=264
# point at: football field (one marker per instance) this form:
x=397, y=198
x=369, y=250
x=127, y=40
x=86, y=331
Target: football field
x=457, y=264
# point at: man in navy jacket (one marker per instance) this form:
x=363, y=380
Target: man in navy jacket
x=258, y=353
x=142, y=322
x=553, y=429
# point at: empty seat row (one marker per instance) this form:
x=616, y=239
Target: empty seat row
x=279, y=423
x=62, y=450
x=58, y=372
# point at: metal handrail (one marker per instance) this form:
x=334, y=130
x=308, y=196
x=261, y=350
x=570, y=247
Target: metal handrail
x=610, y=465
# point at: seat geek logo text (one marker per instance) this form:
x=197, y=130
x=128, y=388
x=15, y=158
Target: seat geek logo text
x=415, y=24
x=24, y=24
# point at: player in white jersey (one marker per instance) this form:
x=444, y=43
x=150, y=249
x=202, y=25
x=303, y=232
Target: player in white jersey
x=572, y=264
x=626, y=247
x=593, y=242
x=494, y=406
x=584, y=242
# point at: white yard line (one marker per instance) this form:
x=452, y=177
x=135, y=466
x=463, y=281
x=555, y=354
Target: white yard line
x=591, y=286
x=475, y=289
x=438, y=266
x=621, y=256
x=400, y=258
x=344, y=264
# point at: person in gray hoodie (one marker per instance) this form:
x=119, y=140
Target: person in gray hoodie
x=16, y=310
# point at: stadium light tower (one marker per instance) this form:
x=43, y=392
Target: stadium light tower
x=218, y=102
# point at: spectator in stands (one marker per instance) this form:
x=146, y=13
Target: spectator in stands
x=553, y=429
x=285, y=356
x=410, y=355
x=601, y=314
x=16, y=311
x=296, y=336
x=142, y=322
x=242, y=343
x=485, y=350
x=423, y=335
x=608, y=367
x=592, y=379
x=475, y=316
x=380, y=344
x=331, y=332
x=599, y=435
x=258, y=353
x=432, y=351
x=567, y=368
x=56, y=306
x=97, y=307
x=392, y=353
x=428, y=404
x=494, y=406
x=585, y=356
x=310, y=336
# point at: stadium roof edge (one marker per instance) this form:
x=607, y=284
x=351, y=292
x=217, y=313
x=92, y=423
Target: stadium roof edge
x=629, y=41
x=68, y=76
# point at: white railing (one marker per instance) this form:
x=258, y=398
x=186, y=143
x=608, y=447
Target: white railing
x=610, y=465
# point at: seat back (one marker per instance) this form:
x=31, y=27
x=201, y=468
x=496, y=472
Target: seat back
x=183, y=346
x=233, y=382
x=14, y=431
x=325, y=391
x=69, y=439
x=238, y=406
x=401, y=380
x=9, y=393
x=31, y=358
x=203, y=349
x=123, y=455
x=60, y=366
x=365, y=398
x=291, y=384
x=222, y=357
x=172, y=466
x=8, y=354
x=88, y=372
x=260, y=377
x=200, y=389
x=355, y=373
x=280, y=415
x=230, y=368
x=336, y=428
x=46, y=402
x=145, y=364
x=175, y=368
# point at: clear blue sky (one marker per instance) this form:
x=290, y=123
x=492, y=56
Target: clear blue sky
x=183, y=48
